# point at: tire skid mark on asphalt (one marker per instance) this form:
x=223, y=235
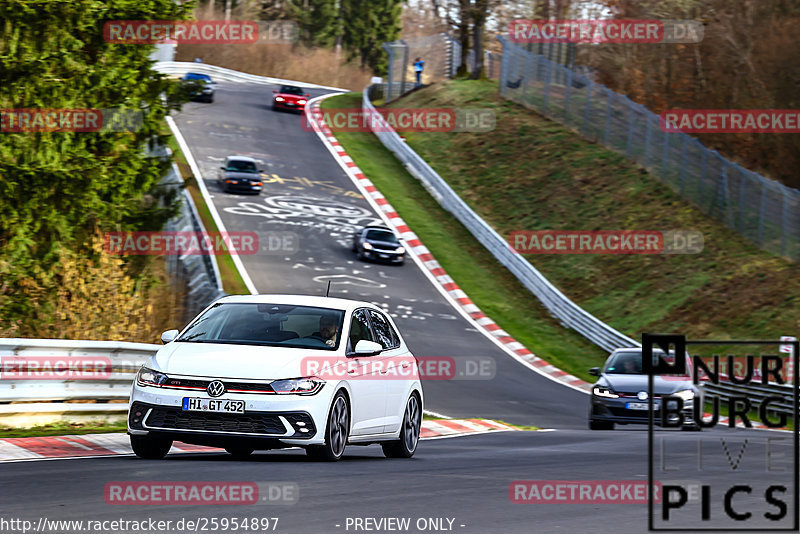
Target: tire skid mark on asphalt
x=432, y=268
x=117, y=444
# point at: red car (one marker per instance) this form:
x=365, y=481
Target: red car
x=289, y=97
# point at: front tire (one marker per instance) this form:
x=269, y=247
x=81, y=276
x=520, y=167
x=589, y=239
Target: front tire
x=337, y=430
x=150, y=448
x=601, y=425
x=409, y=432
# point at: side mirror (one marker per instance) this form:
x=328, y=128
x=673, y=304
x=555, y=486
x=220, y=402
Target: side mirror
x=308, y=96
x=274, y=90
x=594, y=371
x=222, y=167
x=367, y=348
x=169, y=336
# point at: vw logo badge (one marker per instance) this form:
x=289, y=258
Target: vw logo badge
x=642, y=395
x=215, y=388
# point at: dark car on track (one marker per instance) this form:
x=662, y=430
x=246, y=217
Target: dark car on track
x=240, y=173
x=378, y=243
x=199, y=86
x=289, y=97
x=620, y=395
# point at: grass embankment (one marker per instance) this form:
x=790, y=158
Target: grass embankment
x=531, y=173
x=231, y=279
x=496, y=291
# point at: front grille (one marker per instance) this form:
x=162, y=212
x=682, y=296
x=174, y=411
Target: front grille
x=172, y=419
x=232, y=386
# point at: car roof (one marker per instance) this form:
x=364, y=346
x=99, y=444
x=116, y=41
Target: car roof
x=241, y=158
x=300, y=300
x=197, y=75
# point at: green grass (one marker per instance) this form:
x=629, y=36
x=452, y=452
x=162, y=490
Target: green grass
x=232, y=281
x=496, y=291
x=60, y=429
x=532, y=173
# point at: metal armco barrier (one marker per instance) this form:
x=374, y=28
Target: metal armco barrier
x=179, y=68
x=28, y=391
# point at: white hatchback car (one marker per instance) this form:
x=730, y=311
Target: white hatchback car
x=261, y=372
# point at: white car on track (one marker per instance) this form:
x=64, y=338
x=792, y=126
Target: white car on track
x=261, y=372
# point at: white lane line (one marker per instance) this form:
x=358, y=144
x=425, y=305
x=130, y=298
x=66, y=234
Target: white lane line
x=187, y=153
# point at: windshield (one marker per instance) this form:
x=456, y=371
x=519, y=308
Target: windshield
x=195, y=76
x=630, y=363
x=382, y=235
x=241, y=166
x=267, y=324
x=291, y=90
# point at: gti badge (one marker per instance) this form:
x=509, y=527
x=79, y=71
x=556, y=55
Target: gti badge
x=642, y=395
x=216, y=388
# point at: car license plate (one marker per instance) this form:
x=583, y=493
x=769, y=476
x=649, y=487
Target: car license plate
x=384, y=256
x=195, y=404
x=638, y=406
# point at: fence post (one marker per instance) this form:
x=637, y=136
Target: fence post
x=647, y=137
x=703, y=160
x=684, y=138
x=784, y=219
x=548, y=66
x=588, y=107
x=526, y=78
x=608, y=114
x=390, y=75
x=740, y=215
x=405, y=68
x=629, y=142
x=665, y=156
x=503, y=66
x=761, y=207
x=568, y=95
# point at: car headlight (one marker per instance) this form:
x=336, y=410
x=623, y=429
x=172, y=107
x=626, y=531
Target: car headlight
x=297, y=386
x=366, y=246
x=278, y=99
x=399, y=250
x=148, y=377
x=686, y=394
x=602, y=391
x=301, y=101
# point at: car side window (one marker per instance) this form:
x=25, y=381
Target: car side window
x=387, y=337
x=359, y=328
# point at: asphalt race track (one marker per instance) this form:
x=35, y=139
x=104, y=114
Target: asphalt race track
x=464, y=479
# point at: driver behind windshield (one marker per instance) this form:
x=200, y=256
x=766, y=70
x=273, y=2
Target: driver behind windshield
x=328, y=327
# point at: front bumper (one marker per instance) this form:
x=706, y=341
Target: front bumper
x=382, y=255
x=268, y=418
x=617, y=411
x=243, y=186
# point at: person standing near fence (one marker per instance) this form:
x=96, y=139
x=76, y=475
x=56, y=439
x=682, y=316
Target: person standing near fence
x=419, y=64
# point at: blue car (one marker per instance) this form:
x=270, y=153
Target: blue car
x=199, y=86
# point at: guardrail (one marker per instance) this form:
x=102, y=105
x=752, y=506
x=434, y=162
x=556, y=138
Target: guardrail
x=21, y=400
x=561, y=307
x=179, y=68
x=197, y=273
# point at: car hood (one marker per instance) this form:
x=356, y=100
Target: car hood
x=234, y=361
x=242, y=175
x=385, y=245
x=635, y=383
